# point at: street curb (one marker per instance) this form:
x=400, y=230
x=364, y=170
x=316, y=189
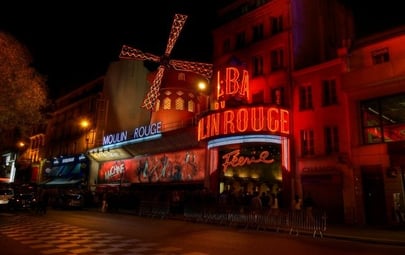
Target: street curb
x=365, y=239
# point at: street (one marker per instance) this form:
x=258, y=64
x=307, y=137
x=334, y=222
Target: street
x=92, y=232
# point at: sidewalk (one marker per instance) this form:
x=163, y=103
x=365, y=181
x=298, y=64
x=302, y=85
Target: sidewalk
x=387, y=235
x=367, y=234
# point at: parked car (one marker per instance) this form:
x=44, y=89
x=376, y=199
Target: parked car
x=5, y=195
x=70, y=198
x=23, y=201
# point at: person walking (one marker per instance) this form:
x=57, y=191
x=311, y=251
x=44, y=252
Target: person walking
x=297, y=203
x=43, y=199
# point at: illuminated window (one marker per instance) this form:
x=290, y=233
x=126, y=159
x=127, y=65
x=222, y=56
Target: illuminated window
x=179, y=103
x=257, y=32
x=157, y=105
x=276, y=59
x=380, y=56
x=257, y=65
x=331, y=139
x=329, y=96
x=276, y=25
x=383, y=119
x=305, y=97
x=181, y=77
x=167, y=103
x=307, y=142
x=191, y=106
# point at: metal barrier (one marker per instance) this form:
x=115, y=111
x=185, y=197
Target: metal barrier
x=154, y=209
x=293, y=222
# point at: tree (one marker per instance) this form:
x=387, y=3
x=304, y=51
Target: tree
x=23, y=93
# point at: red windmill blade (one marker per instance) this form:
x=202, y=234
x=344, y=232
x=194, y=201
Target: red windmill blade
x=128, y=52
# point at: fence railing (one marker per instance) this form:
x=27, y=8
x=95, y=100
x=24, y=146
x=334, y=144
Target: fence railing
x=293, y=222
x=312, y=222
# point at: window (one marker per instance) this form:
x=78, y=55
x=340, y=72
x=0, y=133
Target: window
x=181, y=77
x=380, y=56
x=383, y=119
x=305, y=97
x=331, y=140
x=329, y=96
x=240, y=40
x=191, y=106
x=167, y=103
x=276, y=25
x=257, y=65
x=277, y=96
x=276, y=59
x=226, y=46
x=258, y=32
x=179, y=103
x=307, y=142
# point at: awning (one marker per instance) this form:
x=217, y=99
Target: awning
x=109, y=154
x=62, y=182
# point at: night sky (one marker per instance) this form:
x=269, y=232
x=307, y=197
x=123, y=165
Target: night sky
x=73, y=42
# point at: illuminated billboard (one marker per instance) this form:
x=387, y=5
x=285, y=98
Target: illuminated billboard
x=181, y=166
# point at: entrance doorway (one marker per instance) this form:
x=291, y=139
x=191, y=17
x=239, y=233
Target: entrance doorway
x=373, y=191
x=326, y=192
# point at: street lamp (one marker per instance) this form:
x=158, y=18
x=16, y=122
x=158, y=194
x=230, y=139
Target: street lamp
x=203, y=90
x=85, y=124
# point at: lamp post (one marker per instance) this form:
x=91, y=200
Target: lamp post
x=202, y=87
x=85, y=124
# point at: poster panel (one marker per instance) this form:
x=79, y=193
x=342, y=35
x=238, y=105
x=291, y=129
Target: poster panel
x=181, y=166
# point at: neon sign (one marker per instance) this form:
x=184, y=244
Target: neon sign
x=138, y=133
x=246, y=120
x=234, y=83
x=234, y=159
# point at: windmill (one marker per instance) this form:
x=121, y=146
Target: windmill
x=165, y=62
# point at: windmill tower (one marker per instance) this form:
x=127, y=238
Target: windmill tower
x=177, y=101
x=203, y=69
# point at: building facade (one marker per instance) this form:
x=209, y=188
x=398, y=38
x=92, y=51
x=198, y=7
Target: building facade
x=296, y=106
x=373, y=84
x=290, y=50
x=76, y=124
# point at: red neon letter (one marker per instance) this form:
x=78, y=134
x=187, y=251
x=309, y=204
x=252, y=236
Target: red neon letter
x=242, y=120
x=257, y=118
x=229, y=117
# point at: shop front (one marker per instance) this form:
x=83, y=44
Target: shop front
x=134, y=169
x=66, y=171
x=8, y=167
x=66, y=175
x=248, y=148
x=248, y=143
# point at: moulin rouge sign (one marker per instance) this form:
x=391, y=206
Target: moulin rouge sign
x=242, y=120
x=138, y=134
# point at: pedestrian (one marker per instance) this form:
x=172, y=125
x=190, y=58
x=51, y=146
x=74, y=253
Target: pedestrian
x=265, y=198
x=308, y=205
x=274, y=203
x=297, y=203
x=256, y=203
x=43, y=198
x=104, y=204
